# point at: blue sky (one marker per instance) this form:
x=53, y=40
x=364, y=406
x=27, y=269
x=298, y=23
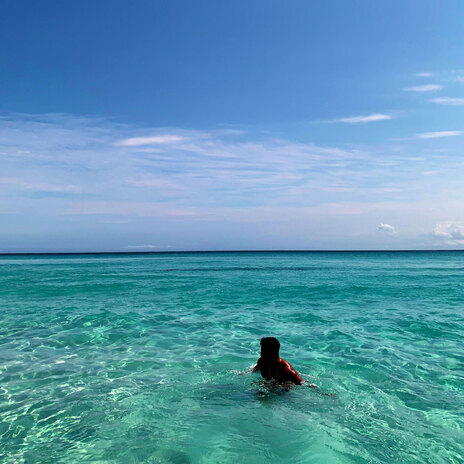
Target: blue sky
x=166, y=125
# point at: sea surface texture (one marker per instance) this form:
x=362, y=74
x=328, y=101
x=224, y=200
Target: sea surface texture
x=139, y=358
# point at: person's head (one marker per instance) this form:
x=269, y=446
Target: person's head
x=270, y=348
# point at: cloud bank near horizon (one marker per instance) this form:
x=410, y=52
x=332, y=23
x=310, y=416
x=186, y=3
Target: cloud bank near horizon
x=451, y=233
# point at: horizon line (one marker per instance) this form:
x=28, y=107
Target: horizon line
x=22, y=253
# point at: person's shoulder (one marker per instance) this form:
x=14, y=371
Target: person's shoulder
x=285, y=363
x=291, y=372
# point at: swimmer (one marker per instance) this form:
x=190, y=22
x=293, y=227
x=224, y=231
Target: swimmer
x=272, y=366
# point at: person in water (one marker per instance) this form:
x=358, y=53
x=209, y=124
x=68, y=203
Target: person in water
x=272, y=366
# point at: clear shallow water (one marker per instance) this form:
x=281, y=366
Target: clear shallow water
x=135, y=358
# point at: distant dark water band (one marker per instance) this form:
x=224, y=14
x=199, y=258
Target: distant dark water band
x=286, y=268
x=243, y=268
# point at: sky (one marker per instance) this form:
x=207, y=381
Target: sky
x=212, y=125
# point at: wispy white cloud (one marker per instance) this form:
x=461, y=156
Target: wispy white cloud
x=364, y=119
x=439, y=134
x=154, y=182
x=165, y=139
x=120, y=207
x=452, y=101
x=424, y=74
x=40, y=187
x=424, y=88
x=196, y=168
x=386, y=228
x=430, y=173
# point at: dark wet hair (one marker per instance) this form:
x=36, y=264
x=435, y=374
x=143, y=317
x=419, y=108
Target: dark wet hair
x=270, y=344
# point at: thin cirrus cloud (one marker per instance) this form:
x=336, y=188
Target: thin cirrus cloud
x=424, y=88
x=41, y=187
x=364, y=119
x=424, y=74
x=166, y=139
x=187, y=168
x=200, y=166
x=448, y=101
x=439, y=134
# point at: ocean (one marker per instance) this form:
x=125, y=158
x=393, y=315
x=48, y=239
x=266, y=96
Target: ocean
x=143, y=358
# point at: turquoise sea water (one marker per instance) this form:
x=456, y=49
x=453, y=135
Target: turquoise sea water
x=136, y=358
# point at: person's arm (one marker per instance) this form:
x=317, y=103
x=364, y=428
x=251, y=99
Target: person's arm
x=256, y=368
x=292, y=374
